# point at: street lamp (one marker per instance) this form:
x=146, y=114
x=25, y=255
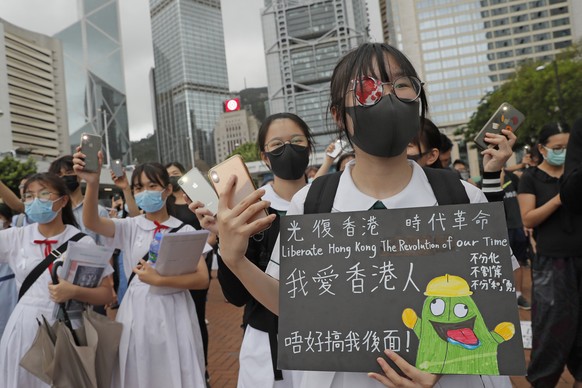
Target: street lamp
x=558, y=90
x=106, y=131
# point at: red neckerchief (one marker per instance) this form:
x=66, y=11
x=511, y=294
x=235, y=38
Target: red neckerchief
x=48, y=248
x=159, y=227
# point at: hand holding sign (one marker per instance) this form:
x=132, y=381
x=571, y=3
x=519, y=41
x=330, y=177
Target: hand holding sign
x=414, y=377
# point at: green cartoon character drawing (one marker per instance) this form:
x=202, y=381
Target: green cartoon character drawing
x=453, y=337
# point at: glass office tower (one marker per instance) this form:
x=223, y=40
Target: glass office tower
x=303, y=42
x=95, y=79
x=465, y=48
x=191, y=80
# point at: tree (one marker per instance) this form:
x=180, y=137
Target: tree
x=12, y=171
x=145, y=150
x=249, y=152
x=533, y=91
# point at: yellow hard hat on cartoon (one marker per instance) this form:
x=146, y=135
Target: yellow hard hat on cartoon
x=448, y=285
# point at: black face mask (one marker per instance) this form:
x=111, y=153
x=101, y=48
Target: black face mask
x=174, y=183
x=386, y=128
x=291, y=163
x=71, y=182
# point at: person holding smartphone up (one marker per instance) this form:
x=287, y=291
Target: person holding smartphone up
x=285, y=143
x=378, y=102
x=160, y=344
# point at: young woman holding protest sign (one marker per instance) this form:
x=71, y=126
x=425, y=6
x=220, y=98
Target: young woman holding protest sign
x=379, y=123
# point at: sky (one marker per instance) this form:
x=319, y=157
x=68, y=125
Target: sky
x=242, y=35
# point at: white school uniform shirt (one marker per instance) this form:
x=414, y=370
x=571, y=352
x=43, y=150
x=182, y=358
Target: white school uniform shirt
x=161, y=344
x=78, y=213
x=255, y=365
x=418, y=193
x=18, y=250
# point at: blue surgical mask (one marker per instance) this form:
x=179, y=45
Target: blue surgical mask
x=150, y=201
x=556, y=159
x=41, y=212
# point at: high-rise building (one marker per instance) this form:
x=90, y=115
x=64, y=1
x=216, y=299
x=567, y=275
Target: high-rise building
x=466, y=48
x=191, y=80
x=304, y=40
x=33, y=110
x=232, y=130
x=95, y=79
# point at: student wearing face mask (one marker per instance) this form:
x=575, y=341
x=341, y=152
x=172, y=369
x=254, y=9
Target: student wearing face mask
x=285, y=143
x=63, y=167
x=557, y=267
x=47, y=204
x=160, y=343
x=178, y=207
x=378, y=102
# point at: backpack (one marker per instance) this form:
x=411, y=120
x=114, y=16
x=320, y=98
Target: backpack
x=446, y=185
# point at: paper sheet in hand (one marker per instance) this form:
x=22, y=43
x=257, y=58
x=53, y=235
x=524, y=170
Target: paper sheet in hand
x=179, y=254
x=84, y=266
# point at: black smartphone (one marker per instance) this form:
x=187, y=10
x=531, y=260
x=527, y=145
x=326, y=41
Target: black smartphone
x=506, y=117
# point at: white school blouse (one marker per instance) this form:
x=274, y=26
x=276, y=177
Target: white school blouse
x=418, y=193
x=17, y=248
x=161, y=344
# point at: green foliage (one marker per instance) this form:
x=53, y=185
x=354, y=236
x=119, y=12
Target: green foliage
x=145, y=150
x=534, y=93
x=249, y=152
x=12, y=171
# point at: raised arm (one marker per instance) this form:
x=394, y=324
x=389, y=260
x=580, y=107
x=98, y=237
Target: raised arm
x=123, y=183
x=11, y=199
x=100, y=225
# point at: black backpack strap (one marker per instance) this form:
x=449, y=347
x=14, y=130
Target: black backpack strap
x=43, y=265
x=321, y=194
x=146, y=256
x=446, y=185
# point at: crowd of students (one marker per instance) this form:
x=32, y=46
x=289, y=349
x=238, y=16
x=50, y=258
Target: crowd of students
x=379, y=105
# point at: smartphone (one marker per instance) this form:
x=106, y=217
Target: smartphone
x=117, y=168
x=339, y=148
x=90, y=145
x=197, y=188
x=506, y=117
x=220, y=174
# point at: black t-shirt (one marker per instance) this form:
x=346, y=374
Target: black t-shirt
x=182, y=213
x=560, y=234
x=512, y=213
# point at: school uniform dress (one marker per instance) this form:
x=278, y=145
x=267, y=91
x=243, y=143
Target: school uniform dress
x=19, y=250
x=255, y=357
x=418, y=193
x=8, y=295
x=161, y=345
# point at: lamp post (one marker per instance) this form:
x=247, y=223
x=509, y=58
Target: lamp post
x=558, y=89
x=106, y=131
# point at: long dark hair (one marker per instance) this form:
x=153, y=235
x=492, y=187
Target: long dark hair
x=178, y=165
x=285, y=115
x=428, y=138
x=360, y=62
x=56, y=183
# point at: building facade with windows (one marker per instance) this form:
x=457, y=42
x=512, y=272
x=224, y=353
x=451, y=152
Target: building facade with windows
x=33, y=107
x=95, y=82
x=466, y=48
x=304, y=40
x=232, y=130
x=191, y=80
